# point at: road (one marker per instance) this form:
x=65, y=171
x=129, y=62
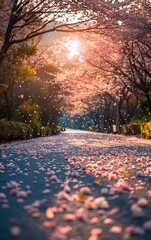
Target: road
x=76, y=186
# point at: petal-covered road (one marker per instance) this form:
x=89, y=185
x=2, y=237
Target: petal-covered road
x=76, y=186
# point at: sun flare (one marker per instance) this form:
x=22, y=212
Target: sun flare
x=73, y=47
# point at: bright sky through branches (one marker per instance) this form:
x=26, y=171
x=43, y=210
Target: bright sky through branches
x=73, y=47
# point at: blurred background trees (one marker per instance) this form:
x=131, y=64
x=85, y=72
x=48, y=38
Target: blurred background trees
x=96, y=73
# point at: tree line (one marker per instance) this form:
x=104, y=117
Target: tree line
x=115, y=62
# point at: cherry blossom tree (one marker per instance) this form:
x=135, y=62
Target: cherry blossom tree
x=107, y=26
x=135, y=68
x=23, y=20
x=103, y=55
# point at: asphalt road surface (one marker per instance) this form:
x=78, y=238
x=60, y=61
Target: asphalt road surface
x=76, y=186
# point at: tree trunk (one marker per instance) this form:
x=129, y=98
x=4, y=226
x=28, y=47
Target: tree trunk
x=9, y=101
x=2, y=56
x=148, y=96
x=9, y=107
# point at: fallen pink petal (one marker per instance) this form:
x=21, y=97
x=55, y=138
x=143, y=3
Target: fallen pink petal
x=15, y=231
x=147, y=225
x=116, y=229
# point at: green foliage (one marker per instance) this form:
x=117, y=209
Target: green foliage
x=146, y=130
x=29, y=113
x=45, y=131
x=3, y=87
x=17, y=68
x=55, y=129
x=47, y=72
x=132, y=128
x=22, y=72
x=25, y=51
x=145, y=118
x=58, y=129
x=90, y=128
x=125, y=129
x=139, y=127
x=12, y=72
x=14, y=130
x=135, y=128
x=93, y=128
x=10, y=130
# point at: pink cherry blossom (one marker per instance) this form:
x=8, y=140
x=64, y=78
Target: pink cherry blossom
x=85, y=190
x=62, y=195
x=2, y=196
x=116, y=229
x=69, y=217
x=142, y=202
x=41, y=169
x=50, y=213
x=138, y=230
x=130, y=229
x=80, y=214
x=57, y=235
x=149, y=193
x=147, y=225
x=104, y=191
x=14, y=191
x=93, y=220
x=50, y=173
x=96, y=231
x=54, y=178
x=15, y=231
x=108, y=221
x=75, y=174
x=137, y=211
x=2, y=166
x=22, y=194
x=64, y=229
x=13, y=184
x=101, y=202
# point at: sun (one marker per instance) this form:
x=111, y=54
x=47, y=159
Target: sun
x=73, y=47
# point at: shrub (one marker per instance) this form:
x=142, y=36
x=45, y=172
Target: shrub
x=90, y=128
x=29, y=113
x=146, y=130
x=45, y=131
x=144, y=119
x=132, y=128
x=36, y=129
x=93, y=128
x=55, y=129
x=135, y=128
x=59, y=129
x=125, y=129
x=10, y=130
